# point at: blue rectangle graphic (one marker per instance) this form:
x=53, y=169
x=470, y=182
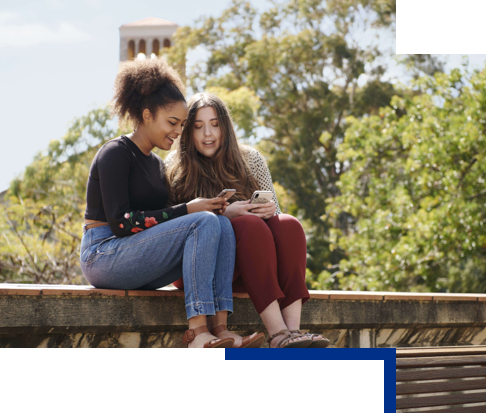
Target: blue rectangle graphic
x=388, y=355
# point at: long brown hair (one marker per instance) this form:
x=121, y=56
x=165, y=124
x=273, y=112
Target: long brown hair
x=192, y=175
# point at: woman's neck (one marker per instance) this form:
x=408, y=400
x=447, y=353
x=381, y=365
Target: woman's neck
x=140, y=138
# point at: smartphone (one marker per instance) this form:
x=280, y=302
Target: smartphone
x=227, y=193
x=261, y=197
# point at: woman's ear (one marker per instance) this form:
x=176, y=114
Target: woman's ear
x=147, y=116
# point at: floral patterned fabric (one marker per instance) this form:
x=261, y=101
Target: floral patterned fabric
x=138, y=222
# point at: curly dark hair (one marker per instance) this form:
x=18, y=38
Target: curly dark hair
x=145, y=84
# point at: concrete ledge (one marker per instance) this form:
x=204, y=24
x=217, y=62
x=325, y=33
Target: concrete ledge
x=82, y=316
x=86, y=290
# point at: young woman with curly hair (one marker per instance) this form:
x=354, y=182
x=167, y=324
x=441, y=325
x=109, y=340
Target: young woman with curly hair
x=270, y=246
x=132, y=238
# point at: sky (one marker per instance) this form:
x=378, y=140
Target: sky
x=59, y=59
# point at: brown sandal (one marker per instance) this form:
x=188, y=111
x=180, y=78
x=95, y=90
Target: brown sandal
x=191, y=334
x=246, y=342
x=285, y=343
x=318, y=343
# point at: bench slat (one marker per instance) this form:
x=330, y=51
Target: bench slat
x=468, y=409
x=441, y=386
x=449, y=351
x=447, y=400
x=450, y=373
x=411, y=362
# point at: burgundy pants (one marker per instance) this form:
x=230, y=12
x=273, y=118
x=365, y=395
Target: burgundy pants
x=270, y=260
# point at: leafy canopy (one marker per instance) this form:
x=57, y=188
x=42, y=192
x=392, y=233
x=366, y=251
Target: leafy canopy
x=42, y=214
x=292, y=75
x=415, y=190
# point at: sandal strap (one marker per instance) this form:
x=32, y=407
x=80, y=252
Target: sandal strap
x=218, y=329
x=302, y=333
x=309, y=335
x=247, y=340
x=191, y=334
x=281, y=332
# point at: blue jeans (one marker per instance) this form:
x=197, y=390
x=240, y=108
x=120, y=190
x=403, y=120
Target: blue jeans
x=199, y=247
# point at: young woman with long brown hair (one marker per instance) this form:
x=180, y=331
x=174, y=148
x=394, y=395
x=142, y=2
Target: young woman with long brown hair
x=270, y=246
x=132, y=238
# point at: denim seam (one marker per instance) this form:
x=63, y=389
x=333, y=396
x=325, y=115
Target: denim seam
x=193, y=275
x=199, y=302
x=217, y=301
x=90, y=261
x=103, y=242
x=215, y=295
x=223, y=304
x=198, y=307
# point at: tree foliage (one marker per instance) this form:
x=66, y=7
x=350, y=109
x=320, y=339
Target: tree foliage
x=415, y=191
x=42, y=213
x=305, y=65
x=386, y=180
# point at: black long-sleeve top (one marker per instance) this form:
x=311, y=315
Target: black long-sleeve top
x=127, y=189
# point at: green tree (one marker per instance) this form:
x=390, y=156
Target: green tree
x=415, y=191
x=42, y=213
x=307, y=70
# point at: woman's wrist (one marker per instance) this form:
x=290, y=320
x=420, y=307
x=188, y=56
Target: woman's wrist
x=232, y=211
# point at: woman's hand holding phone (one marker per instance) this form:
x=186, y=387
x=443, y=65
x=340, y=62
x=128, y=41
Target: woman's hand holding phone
x=265, y=211
x=216, y=205
x=239, y=208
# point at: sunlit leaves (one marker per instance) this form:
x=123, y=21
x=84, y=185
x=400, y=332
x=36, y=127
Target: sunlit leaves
x=42, y=214
x=416, y=192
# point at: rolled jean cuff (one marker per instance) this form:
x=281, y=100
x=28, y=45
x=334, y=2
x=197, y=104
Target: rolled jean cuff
x=224, y=304
x=200, y=308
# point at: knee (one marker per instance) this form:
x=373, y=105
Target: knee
x=249, y=227
x=225, y=224
x=207, y=218
x=208, y=222
x=290, y=223
x=248, y=223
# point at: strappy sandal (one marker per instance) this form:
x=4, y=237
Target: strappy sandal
x=246, y=342
x=318, y=343
x=191, y=334
x=286, y=343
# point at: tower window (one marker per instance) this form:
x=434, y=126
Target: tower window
x=141, y=47
x=156, y=47
x=166, y=43
x=131, y=50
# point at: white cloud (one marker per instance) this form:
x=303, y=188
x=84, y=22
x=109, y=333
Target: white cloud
x=6, y=16
x=95, y=4
x=55, y=4
x=26, y=35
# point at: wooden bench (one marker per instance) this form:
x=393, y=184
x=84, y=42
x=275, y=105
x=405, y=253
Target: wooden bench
x=443, y=379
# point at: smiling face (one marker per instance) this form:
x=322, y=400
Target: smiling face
x=167, y=125
x=207, y=133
